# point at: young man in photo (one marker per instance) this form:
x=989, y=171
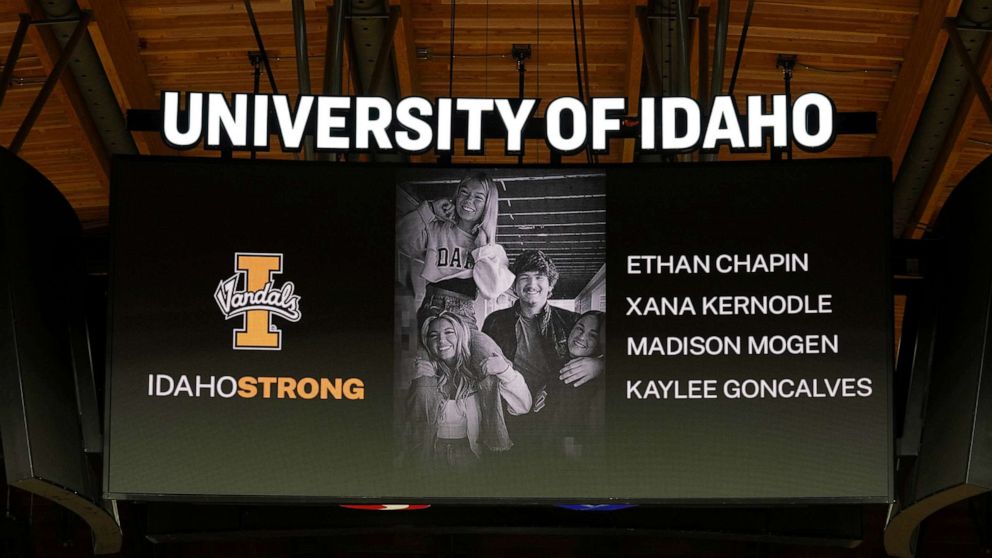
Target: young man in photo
x=533, y=334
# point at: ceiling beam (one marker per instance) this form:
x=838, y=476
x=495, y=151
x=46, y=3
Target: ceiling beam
x=919, y=65
x=635, y=63
x=117, y=47
x=969, y=113
x=48, y=49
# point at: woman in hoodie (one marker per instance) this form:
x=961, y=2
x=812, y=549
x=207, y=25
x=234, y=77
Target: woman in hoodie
x=456, y=240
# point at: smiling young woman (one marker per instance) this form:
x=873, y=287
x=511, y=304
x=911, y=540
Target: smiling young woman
x=456, y=240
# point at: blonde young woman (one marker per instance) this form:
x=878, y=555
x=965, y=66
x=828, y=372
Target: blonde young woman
x=455, y=413
x=456, y=240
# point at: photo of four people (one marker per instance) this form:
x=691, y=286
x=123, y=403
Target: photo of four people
x=500, y=318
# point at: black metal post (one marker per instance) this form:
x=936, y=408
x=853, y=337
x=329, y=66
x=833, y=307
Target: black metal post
x=521, y=70
x=334, y=52
x=13, y=54
x=261, y=47
x=704, y=58
x=650, y=55
x=256, y=63
x=334, y=56
x=703, y=68
x=740, y=47
x=585, y=55
x=719, y=60
x=357, y=87
x=786, y=63
x=46, y=90
x=302, y=64
x=787, y=76
x=521, y=53
x=683, y=48
x=720, y=47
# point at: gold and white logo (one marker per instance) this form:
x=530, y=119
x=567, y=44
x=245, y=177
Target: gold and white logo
x=251, y=293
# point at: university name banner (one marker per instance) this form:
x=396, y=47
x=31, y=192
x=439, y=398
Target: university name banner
x=655, y=333
x=342, y=124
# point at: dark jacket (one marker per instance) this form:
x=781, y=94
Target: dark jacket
x=556, y=323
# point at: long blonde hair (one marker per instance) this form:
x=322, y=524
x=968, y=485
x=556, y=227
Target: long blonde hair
x=458, y=381
x=490, y=214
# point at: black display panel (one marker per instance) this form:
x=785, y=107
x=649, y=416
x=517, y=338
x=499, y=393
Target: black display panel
x=334, y=332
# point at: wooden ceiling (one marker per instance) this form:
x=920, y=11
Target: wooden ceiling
x=868, y=55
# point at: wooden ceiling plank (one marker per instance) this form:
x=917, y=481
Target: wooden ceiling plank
x=970, y=113
x=871, y=6
x=117, y=47
x=635, y=63
x=48, y=49
x=920, y=62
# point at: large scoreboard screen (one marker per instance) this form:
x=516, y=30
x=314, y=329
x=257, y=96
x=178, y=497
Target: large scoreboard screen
x=647, y=333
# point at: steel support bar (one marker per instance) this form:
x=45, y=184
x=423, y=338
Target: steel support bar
x=261, y=47
x=13, y=54
x=255, y=58
x=302, y=64
x=650, y=55
x=385, y=51
x=690, y=18
x=585, y=55
x=334, y=55
x=719, y=61
x=521, y=72
x=969, y=65
x=302, y=50
x=720, y=47
x=740, y=47
x=333, y=60
x=787, y=77
x=704, y=58
x=575, y=48
x=54, y=20
x=46, y=90
x=974, y=28
x=682, y=21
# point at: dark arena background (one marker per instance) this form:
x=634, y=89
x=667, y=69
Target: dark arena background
x=211, y=321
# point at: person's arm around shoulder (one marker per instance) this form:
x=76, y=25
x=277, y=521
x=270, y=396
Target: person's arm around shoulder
x=582, y=370
x=411, y=229
x=512, y=386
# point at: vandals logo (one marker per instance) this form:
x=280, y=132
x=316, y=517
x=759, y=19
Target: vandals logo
x=257, y=300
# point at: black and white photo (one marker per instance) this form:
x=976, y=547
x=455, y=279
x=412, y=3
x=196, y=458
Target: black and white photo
x=500, y=319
